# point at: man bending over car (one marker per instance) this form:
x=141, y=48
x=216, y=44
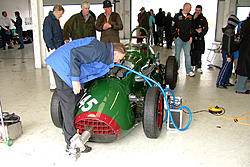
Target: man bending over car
x=74, y=64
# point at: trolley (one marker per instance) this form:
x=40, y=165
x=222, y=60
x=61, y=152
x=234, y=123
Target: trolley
x=213, y=52
x=10, y=127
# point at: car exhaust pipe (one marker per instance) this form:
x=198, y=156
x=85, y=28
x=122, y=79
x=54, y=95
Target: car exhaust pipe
x=78, y=141
x=86, y=135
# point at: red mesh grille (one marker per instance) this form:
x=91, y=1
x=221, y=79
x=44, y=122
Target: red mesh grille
x=99, y=128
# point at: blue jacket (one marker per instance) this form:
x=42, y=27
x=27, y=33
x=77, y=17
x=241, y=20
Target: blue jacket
x=52, y=32
x=81, y=60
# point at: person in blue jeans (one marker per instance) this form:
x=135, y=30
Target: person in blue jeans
x=243, y=65
x=183, y=38
x=228, y=49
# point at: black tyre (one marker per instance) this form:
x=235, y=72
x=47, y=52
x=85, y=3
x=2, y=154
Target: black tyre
x=153, y=113
x=55, y=111
x=171, y=72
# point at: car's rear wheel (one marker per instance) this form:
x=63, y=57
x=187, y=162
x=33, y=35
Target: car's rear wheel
x=153, y=113
x=171, y=72
x=55, y=111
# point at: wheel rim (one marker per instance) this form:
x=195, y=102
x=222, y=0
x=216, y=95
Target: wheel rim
x=159, y=112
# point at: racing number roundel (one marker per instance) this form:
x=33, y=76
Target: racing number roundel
x=86, y=104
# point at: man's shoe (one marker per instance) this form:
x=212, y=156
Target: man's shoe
x=86, y=149
x=246, y=92
x=222, y=86
x=10, y=47
x=191, y=74
x=3, y=48
x=199, y=70
x=229, y=84
x=21, y=48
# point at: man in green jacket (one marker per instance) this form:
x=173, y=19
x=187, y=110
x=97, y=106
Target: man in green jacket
x=80, y=25
x=109, y=23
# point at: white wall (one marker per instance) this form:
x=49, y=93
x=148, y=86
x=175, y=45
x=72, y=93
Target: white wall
x=225, y=9
x=10, y=6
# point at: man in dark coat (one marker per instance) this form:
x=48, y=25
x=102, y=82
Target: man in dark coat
x=80, y=25
x=53, y=35
x=182, y=32
x=243, y=66
x=109, y=24
x=228, y=49
x=168, y=30
x=52, y=31
x=19, y=29
x=200, y=28
x=159, y=19
x=143, y=20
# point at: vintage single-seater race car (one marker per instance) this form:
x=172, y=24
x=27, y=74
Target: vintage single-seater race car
x=115, y=103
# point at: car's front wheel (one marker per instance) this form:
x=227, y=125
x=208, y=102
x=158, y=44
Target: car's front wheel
x=153, y=113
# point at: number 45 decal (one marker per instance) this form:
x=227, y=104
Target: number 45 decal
x=86, y=106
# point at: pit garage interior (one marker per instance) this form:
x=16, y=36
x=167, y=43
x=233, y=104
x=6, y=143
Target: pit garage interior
x=210, y=141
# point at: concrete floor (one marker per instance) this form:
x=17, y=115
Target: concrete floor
x=210, y=141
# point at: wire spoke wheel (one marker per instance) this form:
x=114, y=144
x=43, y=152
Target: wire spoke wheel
x=153, y=113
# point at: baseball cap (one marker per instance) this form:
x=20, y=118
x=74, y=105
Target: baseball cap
x=107, y=4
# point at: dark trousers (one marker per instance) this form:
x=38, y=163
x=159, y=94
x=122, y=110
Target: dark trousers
x=68, y=101
x=169, y=38
x=20, y=37
x=160, y=35
x=5, y=38
x=195, y=58
x=225, y=71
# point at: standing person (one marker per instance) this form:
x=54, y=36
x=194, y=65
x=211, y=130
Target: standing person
x=200, y=28
x=109, y=24
x=143, y=20
x=236, y=53
x=228, y=49
x=5, y=30
x=159, y=18
x=243, y=66
x=73, y=65
x=80, y=25
x=53, y=35
x=182, y=32
x=168, y=30
x=19, y=29
x=151, y=25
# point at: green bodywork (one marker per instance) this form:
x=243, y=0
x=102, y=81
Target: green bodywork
x=112, y=94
